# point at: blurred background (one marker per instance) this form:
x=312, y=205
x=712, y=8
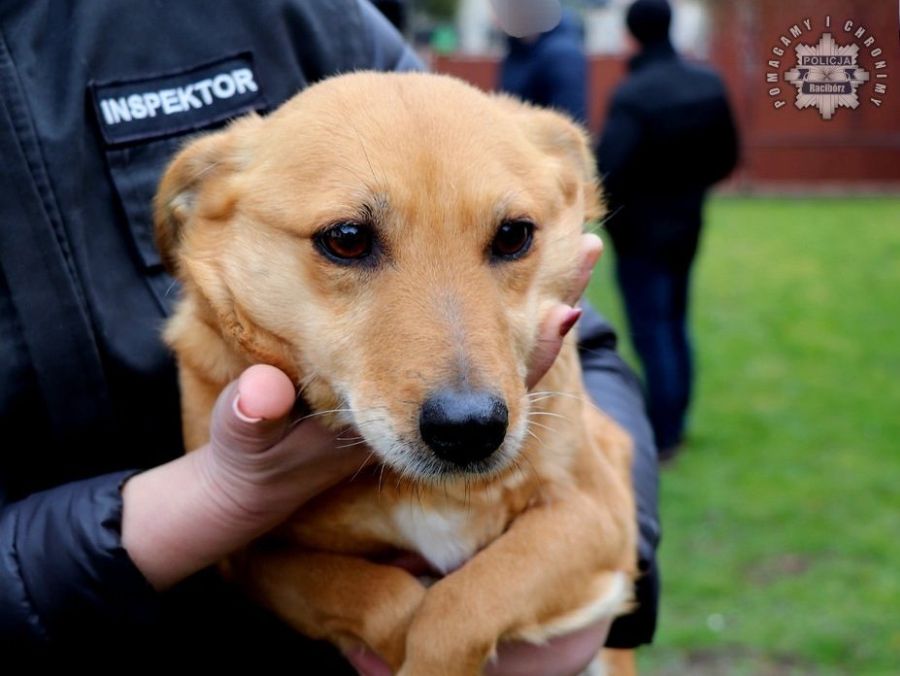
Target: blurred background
x=781, y=515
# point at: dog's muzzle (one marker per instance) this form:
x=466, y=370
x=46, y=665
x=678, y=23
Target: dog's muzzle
x=463, y=427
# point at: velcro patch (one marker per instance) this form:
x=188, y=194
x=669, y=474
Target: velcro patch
x=175, y=102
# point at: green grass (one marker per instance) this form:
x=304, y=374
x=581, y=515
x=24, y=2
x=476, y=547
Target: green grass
x=781, y=549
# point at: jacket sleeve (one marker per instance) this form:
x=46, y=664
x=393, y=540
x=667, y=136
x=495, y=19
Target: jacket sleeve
x=616, y=391
x=63, y=571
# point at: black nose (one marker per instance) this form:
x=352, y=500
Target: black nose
x=463, y=426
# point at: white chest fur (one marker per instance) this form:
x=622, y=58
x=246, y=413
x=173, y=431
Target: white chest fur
x=440, y=535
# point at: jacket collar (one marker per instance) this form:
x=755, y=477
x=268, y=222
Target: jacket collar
x=653, y=53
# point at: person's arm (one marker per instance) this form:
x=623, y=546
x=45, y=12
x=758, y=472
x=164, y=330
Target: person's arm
x=62, y=564
x=387, y=50
x=616, y=390
x=253, y=474
x=88, y=555
x=564, y=82
x=618, y=146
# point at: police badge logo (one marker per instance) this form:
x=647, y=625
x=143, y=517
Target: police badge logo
x=826, y=76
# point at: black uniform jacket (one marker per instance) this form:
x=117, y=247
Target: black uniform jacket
x=669, y=135
x=95, y=97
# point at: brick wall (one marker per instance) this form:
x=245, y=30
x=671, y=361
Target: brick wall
x=783, y=147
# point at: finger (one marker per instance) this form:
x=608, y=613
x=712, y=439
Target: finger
x=264, y=392
x=368, y=663
x=251, y=413
x=563, y=655
x=591, y=249
x=556, y=326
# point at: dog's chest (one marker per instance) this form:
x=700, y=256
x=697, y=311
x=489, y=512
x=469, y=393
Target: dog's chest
x=447, y=536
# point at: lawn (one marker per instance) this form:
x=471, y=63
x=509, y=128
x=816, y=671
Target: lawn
x=781, y=520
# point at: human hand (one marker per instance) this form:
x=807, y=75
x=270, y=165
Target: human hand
x=561, y=318
x=255, y=471
x=260, y=464
x=561, y=656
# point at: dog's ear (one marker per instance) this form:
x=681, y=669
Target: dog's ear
x=568, y=142
x=201, y=161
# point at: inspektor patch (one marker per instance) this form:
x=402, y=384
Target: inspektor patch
x=162, y=105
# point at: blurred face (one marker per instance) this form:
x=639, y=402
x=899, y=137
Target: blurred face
x=522, y=18
x=632, y=46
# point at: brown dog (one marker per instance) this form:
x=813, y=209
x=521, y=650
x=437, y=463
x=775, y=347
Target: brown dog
x=392, y=242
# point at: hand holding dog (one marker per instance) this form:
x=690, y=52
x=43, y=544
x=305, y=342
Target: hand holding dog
x=191, y=512
x=562, y=318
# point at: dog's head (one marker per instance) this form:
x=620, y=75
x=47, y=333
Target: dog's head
x=392, y=242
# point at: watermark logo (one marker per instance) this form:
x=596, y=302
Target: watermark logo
x=827, y=75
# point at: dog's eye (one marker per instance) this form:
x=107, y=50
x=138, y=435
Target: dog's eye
x=512, y=240
x=347, y=241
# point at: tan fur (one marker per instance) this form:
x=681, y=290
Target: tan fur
x=436, y=166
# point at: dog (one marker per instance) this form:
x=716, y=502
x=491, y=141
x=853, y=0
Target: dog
x=392, y=242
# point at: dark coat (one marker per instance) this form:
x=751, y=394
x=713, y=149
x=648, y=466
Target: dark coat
x=669, y=135
x=88, y=393
x=549, y=69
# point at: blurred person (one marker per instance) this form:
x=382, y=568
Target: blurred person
x=107, y=530
x=669, y=136
x=548, y=68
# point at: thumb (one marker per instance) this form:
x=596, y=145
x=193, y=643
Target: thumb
x=553, y=331
x=251, y=414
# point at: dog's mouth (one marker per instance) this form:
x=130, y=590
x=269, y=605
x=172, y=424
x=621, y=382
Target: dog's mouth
x=453, y=434
x=413, y=458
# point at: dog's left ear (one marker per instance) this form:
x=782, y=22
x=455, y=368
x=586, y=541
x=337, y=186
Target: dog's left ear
x=561, y=138
x=200, y=163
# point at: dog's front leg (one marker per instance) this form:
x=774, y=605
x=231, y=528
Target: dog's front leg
x=348, y=600
x=554, y=566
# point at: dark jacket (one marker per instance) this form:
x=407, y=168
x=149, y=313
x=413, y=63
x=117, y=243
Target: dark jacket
x=669, y=135
x=549, y=69
x=88, y=392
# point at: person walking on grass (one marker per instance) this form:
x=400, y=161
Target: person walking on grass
x=669, y=136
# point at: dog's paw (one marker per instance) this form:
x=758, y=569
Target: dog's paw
x=436, y=645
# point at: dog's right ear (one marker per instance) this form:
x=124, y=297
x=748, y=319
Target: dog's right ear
x=199, y=163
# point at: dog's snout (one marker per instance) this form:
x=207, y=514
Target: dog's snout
x=463, y=427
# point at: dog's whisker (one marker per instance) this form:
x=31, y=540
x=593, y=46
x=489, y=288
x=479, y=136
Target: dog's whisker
x=582, y=398
x=552, y=415
x=551, y=393
x=545, y=427
x=533, y=470
x=538, y=400
x=545, y=394
x=381, y=481
x=364, y=464
x=351, y=445
x=536, y=437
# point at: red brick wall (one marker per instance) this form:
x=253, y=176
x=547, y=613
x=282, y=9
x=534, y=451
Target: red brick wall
x=786, y=146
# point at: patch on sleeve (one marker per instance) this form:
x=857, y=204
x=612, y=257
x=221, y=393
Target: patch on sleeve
x=172, y=103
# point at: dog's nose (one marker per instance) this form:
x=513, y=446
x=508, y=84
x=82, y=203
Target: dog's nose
x=463, y=427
